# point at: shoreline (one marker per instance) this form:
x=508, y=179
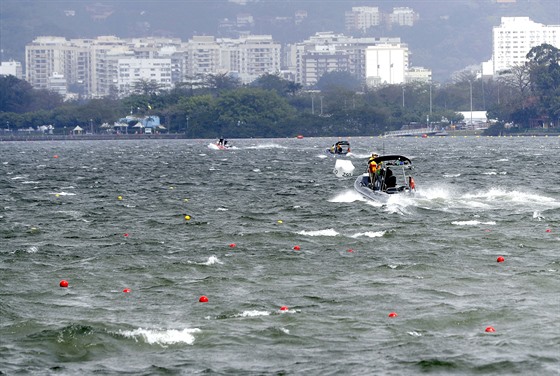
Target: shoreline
x=91, y=137
x=179, y=136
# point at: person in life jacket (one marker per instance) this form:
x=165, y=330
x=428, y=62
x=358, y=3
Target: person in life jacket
x=373, y=167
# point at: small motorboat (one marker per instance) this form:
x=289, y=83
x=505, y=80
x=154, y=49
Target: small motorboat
x=222, y=144
x=339, y=148
x=392, y=176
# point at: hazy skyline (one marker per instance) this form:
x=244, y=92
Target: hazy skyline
x=447, y=37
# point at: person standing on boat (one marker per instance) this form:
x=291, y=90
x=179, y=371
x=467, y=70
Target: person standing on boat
x=372, y=169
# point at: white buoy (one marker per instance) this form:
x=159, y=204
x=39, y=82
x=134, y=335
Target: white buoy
x=343, y=168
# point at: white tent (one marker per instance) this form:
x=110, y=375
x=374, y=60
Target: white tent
x=77, y=130
x=138, y=125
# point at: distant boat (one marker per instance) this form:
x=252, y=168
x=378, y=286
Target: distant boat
x=339, y=148
x=221, y=144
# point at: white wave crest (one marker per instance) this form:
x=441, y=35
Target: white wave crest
x=161, y=337
x=473, y=223
x=499, y=194
x=369, y=234
x=212, y=260
x=253, y=314
x=266, y=146
x=347, y=196
x=327, y=232
x=63, y=193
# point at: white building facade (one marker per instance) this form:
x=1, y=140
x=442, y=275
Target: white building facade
x=515, y=37
x=11, y=68
x=386, y=64
x=132, y=71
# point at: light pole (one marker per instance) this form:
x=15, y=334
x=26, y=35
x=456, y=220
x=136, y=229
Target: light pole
x=91, y=125
x=312, y=105
x=321, y=105
x=403, y=96
x=470, y=84
x=430, y=115
x=187, y=125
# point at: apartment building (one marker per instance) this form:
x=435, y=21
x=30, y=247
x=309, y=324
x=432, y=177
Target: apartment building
x=202, y=56
x=131, y=71
x=386, y=64
x=362, y=18
x=514, y=38
x=250, y=57
x=329, y=52
x=102, y=66
x=403, y=16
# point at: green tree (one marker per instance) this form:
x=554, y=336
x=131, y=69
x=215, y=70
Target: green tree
x=338, y=80
x=544, y=71
x=220, y=82
x=276, y=83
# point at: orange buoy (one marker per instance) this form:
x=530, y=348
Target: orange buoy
x=63, y=283
x=126, y=290
x=203, y=299
x=283, y=308
x=490, y=329
x=500, y=259
x=297, y=247
x=393, y=314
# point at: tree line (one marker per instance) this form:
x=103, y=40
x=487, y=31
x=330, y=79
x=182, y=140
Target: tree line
x=219, y=106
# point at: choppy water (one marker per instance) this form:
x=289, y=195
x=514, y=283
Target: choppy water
x=431, y=259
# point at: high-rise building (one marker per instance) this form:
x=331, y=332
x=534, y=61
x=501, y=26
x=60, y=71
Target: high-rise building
x=95, y=67
x=386, y=64
x=514, y=38
x=362, y=18
x=329, y=52
x=403, y=16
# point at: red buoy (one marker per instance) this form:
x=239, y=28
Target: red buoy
x=350, y=251
x=126, y=235
x=296, y=248
x=283, y=308
x=64, y=283
x=126, y=290
x=500, y=259
x=393, y=314
x=548, y=230
x=203, y=299
x=232, y=245
x=490, y=329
